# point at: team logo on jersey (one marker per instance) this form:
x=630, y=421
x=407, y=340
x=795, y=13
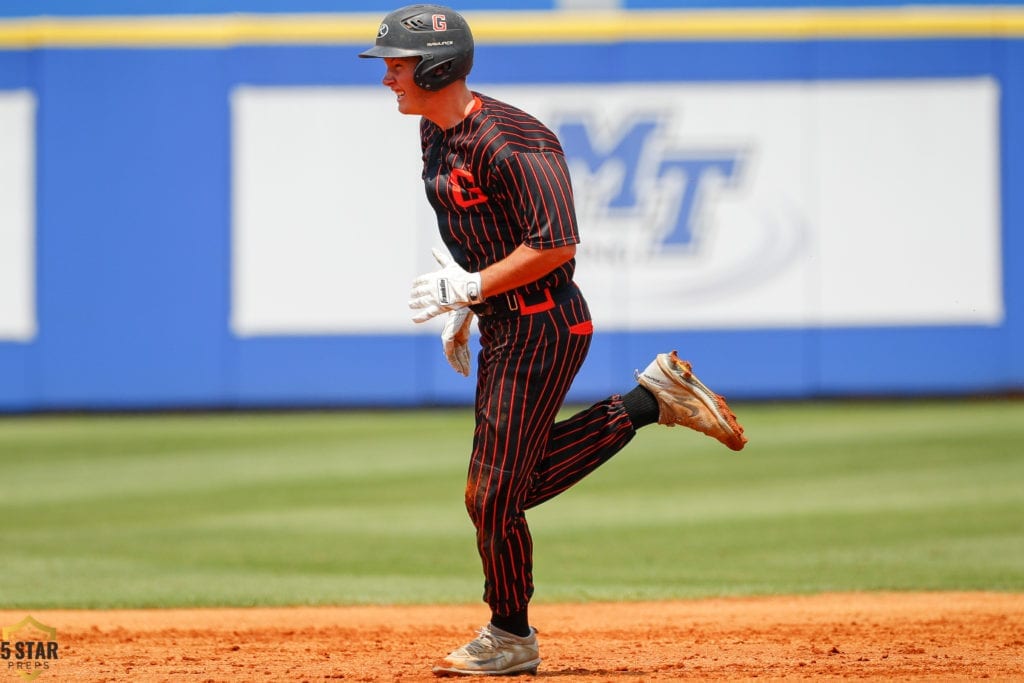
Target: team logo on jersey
x=464, y=190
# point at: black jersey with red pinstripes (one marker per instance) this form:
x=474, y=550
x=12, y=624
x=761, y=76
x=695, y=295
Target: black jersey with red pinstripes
x=497, y=180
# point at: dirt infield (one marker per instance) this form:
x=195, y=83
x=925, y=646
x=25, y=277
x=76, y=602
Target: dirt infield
x=863, y=636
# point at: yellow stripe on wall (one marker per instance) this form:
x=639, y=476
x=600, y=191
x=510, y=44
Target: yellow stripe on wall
x=520, y=27
x=189, y=31
x=637, y=26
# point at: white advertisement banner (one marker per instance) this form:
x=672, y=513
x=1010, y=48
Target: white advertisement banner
x=17, y=216
x=326, y=204
x=738, y=205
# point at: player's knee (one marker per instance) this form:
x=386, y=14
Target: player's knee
x=490, y=507
x=479, y=505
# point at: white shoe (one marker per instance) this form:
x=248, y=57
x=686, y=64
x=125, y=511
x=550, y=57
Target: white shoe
x=684, y=400
x=494, y=652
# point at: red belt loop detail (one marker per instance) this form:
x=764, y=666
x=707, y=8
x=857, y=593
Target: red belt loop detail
x=545, y=305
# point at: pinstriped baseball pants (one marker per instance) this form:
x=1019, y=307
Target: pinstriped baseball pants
x=521, y=456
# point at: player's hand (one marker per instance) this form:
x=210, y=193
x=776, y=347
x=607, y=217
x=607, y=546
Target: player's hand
x=455, y=338
x=443, y=290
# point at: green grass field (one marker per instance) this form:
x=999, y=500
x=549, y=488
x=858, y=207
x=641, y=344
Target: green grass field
x=366, y=507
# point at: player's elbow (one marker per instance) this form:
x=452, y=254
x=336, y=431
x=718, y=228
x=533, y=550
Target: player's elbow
x=556, y=256
x=565, y=254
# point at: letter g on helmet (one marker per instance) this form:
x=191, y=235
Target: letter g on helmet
x=438, y=35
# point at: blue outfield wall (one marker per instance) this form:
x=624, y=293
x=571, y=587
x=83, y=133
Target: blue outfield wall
x=133, y=235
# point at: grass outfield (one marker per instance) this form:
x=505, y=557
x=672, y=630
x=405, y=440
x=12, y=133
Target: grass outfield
x=366, y=507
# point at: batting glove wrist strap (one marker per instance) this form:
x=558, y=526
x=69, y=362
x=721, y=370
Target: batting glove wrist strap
x=443, y=290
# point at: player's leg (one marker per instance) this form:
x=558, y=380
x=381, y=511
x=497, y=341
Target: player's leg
x=524, y=370
x=578, y=446
x=667, y=392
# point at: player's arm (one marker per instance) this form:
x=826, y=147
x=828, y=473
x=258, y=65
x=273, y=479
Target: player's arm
x=451, y=287
x=521, y=267
x=541, y=187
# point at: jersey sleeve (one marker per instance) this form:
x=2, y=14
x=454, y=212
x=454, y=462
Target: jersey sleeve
x=540, y=190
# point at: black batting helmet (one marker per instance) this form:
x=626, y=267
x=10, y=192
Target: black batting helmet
x=438, y=35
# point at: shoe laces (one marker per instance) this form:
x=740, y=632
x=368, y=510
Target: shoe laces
x=485, y=642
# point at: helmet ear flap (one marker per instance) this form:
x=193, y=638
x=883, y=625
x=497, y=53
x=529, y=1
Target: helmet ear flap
x=431, y=75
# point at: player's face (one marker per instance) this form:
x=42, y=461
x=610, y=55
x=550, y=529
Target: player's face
x=412, y=99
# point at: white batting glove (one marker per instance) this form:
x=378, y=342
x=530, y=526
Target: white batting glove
x=455, y=338
x=443, y=290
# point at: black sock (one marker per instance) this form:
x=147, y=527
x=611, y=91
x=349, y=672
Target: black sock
x=641, y=406
x=517, y=623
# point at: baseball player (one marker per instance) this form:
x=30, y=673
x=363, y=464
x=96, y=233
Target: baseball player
x=498, y=182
